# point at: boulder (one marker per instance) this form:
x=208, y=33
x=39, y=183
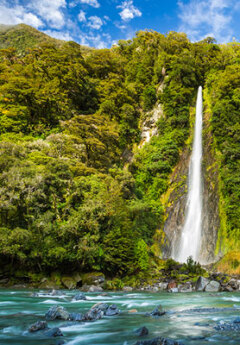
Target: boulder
x=95, y=278
x=173, y=290
x=158, y=311
x=142, y=331
x=48, y=283
x=79, y=297
x=132, y=311
x=163, y=286
x=53, y=332
x=57, y=312
x=112, y=310
x=158, y=341
x=94, y=288
x=69, y=283
x=93, y=314
x=127, y=289
x=76, y=317
x=187, y=287
x=213, y=286
x=201, y=283
x=38, y=326
x=171, y=285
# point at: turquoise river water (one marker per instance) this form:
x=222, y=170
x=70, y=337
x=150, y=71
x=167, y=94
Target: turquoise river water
x=18, y=310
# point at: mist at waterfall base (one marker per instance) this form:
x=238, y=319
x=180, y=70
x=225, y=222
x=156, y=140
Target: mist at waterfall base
x=190, y=241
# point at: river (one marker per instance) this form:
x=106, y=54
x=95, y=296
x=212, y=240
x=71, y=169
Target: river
x=18, y=310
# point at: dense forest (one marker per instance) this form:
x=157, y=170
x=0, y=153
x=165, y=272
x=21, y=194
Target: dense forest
x=77, y=190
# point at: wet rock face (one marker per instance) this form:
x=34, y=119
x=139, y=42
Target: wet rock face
x=176, y=202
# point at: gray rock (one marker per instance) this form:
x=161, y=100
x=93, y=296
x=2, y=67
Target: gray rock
x=127, y=289
x=94, y=288
x=37, y=326
x=163, y=286
x=112, y=310
x=213, y=286
x=76, y=317
x=158, y=311
x=79, y=297
x=57, y=312
x=201, y=283
x=53, y=332
x=93, y=314
x=187, y=287
x=173, y=290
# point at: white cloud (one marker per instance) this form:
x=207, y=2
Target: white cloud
x=50, y=10
x=96, y=41
x=129, y=11
x=59, y=35
x=93, y=3
x=18, y=14
x=202, y=18
x=82, y=16
x=95, y=22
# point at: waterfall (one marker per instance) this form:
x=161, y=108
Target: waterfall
x=190, y=241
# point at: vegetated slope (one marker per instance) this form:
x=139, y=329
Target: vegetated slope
x=22, y=36
x=66, y=200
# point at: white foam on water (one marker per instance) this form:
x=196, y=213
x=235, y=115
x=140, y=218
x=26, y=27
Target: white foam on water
x=50, y=301
x=7, y=303
x=11, y=330
x=232, y=298
x=89, y=337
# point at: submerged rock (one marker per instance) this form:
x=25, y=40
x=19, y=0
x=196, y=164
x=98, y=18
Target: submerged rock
x=142, y=331
x=201, y=283
x=213, y=286
x=158, y=341
x=57, y=312
x=79, y=297
x=53, y=332
x=158, y=311
x=37, y=326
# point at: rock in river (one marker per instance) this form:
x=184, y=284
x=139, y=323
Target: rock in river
x=57, y=312
x=142, y=331
x=158, y=341
x=79, y=297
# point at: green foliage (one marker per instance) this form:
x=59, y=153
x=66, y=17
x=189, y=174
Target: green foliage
x=193, y=267
x=67, y=119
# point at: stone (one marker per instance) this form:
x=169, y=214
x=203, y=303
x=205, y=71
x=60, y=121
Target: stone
x=132, y=311
x=127, y=289
x=155, y=289
x=112, y=310
x=142, y=331
x=187, y=287
x=95, y=278
x=76, y=317
x=158, y=341
x=171, y=285
x=53, y=332
x=37, y=326
x=173, y=290
x=57, y=312
x=201, y=283
x=213, y=286
x=163, y=286
x=69, y=283
x=158, y=311
x=93, y=314
x=79, y=297
x=94, y=288
x=47, y=283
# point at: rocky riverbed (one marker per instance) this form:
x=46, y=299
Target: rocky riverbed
x=128, y=318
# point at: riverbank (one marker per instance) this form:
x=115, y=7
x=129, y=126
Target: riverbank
x=168, y=276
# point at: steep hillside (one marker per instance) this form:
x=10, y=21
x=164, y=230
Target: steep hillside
x=70, y=199
x=22, y=37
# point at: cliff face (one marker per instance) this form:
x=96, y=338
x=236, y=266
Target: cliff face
x=176, y=197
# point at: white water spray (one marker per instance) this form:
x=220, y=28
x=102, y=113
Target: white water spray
x=190, y=241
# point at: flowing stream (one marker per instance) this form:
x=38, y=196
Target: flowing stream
x=190, y=241
x=182, y=322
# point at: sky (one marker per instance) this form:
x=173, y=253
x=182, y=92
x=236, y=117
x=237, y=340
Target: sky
x=101, y=23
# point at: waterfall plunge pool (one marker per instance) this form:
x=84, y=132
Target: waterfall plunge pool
x=189, y=318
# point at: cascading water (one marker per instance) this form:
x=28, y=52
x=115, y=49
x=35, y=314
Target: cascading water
x=190, y=241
